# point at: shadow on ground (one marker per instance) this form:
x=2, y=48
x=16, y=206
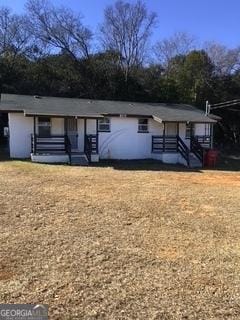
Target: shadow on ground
x=228, y=163
x=144, y=165
x=225, y=163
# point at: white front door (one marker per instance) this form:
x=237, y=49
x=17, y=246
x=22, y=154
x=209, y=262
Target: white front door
x=171, y=129
x=72, y=132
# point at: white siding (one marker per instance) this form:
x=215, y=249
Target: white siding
x=199, y=129
x=124, y=141
x=20, y=130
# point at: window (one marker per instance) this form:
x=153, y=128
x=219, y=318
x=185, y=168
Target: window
x=104, y=125
x=189, y=130
x=44, y=126
x=142, y=125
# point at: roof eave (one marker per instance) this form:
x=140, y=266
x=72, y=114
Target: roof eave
x=57, y=115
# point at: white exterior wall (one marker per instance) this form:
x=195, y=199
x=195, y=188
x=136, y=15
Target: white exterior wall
x=199, y=129
x=20, y=130
x=124, y=141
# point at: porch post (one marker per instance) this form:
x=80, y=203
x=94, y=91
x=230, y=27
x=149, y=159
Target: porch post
x=85, y=133
x=191, y=130
x=34, y=135
x=97, y=136
x=178, y=128
x=65, y=126
x=164, y=132
x=177, y=136
x=211, y=134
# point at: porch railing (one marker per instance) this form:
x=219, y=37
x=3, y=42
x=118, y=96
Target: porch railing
x=205, y=141
x=54, y=144
x=170, y=144
x=164, y=144
x=91, y=145
x=175, y=144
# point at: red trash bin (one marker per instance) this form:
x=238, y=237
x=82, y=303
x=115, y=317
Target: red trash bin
x=211, y=158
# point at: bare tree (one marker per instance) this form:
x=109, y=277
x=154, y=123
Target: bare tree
x=226, y=61
x=15, y=36
x=59, y=28
x=180, y=43
x=126, y=30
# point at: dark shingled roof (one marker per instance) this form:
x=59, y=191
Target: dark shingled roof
x=34, y=105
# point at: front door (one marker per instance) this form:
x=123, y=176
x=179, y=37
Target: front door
x=72, y=132
x=171, y=129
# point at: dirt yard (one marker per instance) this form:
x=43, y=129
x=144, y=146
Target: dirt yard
x=117, y=243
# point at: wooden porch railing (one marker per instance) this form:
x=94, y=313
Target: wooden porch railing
x=176, y=144
x=54, y=144
x=205, y=141
x=170, y=144
x=164, y=144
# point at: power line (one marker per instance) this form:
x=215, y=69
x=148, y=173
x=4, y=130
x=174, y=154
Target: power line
x=225, y=105
x=221, y=105
x=226, y=102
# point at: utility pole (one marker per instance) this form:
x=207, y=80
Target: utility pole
x=207, y=108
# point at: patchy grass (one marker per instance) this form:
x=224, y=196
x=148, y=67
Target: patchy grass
x=112, y=243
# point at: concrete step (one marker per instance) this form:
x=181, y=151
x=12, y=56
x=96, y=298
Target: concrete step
x=79, y=160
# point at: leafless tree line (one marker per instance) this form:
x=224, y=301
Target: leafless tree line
x=126, y=31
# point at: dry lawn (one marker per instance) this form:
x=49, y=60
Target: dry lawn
x=105, y=243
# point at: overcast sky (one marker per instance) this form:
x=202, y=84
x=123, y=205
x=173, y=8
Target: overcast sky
x=208, y=20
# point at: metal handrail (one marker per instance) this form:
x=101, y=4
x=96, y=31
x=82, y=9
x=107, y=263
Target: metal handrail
x=183, y=150
x=197, y=149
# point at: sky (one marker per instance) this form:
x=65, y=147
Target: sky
x=208, y=20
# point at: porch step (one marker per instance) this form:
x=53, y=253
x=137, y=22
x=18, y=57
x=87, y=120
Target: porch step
x=79, y=160
x=194, y=162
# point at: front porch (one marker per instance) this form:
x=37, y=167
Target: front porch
x=77, y=145
x=191, y=154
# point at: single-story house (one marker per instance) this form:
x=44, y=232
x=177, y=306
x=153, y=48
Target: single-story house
x=50, y=129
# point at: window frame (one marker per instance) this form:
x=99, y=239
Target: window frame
x=101, y=122
x=42, y=124
x=142, y=124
